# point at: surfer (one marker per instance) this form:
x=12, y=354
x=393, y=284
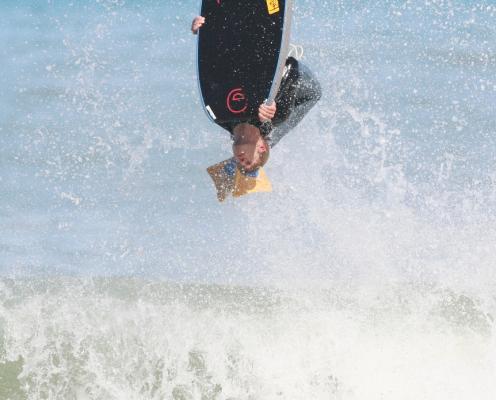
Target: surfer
x=298, y=92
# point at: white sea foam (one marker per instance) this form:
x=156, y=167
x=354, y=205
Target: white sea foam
x=131, y=339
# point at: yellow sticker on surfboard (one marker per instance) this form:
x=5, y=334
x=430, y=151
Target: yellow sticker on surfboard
x=272, y=6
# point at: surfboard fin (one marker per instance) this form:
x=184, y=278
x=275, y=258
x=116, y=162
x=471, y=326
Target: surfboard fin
x=229, y=180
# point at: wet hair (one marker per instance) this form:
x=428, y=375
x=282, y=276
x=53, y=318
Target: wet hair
x=243, y=139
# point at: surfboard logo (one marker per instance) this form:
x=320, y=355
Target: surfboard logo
x=236, y=101
x=272, y=6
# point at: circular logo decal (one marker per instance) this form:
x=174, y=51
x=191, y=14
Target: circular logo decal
x=236, y=101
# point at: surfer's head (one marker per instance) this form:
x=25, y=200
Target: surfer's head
x=249, y=147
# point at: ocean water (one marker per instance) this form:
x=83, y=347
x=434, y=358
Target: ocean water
x=369, y=272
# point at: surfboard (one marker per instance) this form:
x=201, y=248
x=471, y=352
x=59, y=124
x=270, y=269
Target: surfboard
x=242, y=49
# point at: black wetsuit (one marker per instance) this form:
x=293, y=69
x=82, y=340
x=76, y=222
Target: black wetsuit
x=298, y=93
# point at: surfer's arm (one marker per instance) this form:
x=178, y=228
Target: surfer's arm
x=266, y=112
x=197, y=24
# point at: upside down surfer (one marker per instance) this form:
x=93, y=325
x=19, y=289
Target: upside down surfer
x=298, y=92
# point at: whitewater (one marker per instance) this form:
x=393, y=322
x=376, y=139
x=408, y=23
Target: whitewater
x=369, y=272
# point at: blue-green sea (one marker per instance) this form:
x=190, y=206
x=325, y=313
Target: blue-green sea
x=367, y=274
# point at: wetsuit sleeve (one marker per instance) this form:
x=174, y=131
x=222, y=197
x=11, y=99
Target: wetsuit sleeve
x=297, y=104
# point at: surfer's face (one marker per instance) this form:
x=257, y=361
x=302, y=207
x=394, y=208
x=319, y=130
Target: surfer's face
x=247, y=146
x=247, y=155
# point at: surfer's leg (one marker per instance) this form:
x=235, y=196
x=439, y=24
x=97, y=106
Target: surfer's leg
x=308, y=93
x=308, y=88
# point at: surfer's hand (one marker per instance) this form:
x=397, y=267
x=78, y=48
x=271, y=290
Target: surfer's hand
x=266, y=112
x=197, y=24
